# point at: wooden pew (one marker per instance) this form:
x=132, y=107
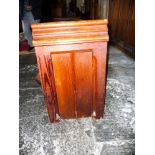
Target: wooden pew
x=71, y=58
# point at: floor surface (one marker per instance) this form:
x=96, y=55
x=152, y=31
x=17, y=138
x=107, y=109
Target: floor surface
x=113, y=135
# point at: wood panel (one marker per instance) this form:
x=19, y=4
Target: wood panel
x=121, y=24
x=47, y=83
x=73, y=81
x=83, y=81
x=100, y=61
x=72, y=67
x=63, y=75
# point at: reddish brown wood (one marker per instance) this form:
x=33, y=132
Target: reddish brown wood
x=72, y=67
x=63, y=75
x=83, y=82
x=122, y=24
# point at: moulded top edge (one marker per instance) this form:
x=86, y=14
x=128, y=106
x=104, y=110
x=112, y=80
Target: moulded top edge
x=70, y=23
x=50, y=42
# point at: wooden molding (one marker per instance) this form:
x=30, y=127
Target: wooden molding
x=62, y=32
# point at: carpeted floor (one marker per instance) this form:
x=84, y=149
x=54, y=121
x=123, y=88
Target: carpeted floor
x=113, y=135
x=23, y=44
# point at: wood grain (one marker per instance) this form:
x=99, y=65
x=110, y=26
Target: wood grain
x=122, y=24
x=70, y=23
x=72, y=67
x=63, y=75
x=56, y=33
x=47, y=83
x=83, y=81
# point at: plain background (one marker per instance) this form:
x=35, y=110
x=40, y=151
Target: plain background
x=145, y=77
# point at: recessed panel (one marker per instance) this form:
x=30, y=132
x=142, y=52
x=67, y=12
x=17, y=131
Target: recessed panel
x=83, y=79
x=63, y=74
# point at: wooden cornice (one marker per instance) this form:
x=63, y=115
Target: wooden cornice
x=67, y=32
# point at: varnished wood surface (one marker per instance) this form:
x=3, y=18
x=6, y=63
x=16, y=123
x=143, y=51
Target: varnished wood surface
x=69, y=32
x=73, y=74
x=83, y=82
x=98, y=69
x=69, y=40
x=122, y=24
x=63, y=75
x=48, y=84
x=73, y=81
x=70, y=23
